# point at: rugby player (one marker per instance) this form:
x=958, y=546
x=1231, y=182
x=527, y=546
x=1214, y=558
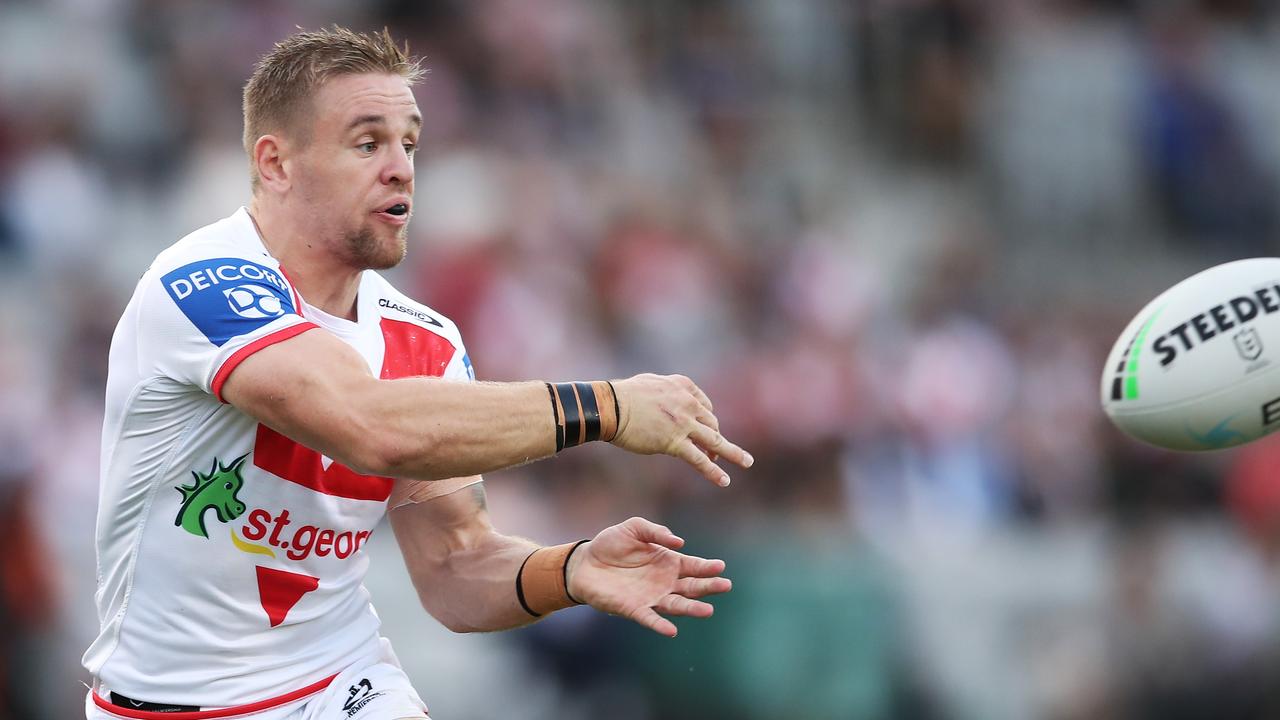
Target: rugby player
x=271, y=397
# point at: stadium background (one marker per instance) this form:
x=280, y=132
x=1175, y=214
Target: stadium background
x=892, y=238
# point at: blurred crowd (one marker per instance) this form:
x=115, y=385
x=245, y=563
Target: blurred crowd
x=893, y=240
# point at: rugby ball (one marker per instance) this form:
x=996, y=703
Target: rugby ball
x=1197, y=368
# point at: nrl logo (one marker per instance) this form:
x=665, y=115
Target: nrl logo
x=216, y=490
x=1248, y=344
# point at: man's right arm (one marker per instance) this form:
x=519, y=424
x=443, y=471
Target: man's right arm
x=318, y=391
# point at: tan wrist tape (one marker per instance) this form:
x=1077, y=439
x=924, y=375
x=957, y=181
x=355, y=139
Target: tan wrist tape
x=541, y=583
x=583, y=412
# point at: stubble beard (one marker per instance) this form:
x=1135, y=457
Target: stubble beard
x=366, y=251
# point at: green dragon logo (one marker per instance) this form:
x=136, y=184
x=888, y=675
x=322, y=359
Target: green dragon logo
x=215, y=490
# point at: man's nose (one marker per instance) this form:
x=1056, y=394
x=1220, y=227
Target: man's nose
x=399, y=168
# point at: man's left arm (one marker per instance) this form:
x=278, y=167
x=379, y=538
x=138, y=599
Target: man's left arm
x=465, y=571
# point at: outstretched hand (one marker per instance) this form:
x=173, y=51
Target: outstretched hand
x=670, y=414
x=633, y=569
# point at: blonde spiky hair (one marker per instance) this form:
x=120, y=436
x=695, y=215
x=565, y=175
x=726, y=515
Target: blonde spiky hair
x=285, y=79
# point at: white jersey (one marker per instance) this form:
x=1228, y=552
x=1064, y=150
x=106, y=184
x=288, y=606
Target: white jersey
x=230, y=560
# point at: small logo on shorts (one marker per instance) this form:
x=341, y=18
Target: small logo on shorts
x=360, y=694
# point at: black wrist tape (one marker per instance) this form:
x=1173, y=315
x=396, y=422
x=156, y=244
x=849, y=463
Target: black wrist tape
x=555, y=412
x=582, y=412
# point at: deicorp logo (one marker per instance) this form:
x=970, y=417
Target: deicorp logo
x=253, y=303
x=226, y=297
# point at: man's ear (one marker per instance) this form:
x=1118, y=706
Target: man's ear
x=268, y=158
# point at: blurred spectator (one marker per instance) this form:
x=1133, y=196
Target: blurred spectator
x=1209, y=182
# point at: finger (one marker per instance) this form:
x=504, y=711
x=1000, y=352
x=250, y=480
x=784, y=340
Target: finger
x=655, y=622
x=709, y=419
x=734, y=454
x=676, y=605
x=702, y=397
x=652, y=532
x=692, y=566
x=711, y=455
x=714, y=443
x=697, y=457
x=702, y=586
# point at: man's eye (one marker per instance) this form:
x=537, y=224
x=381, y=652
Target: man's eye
x=368, y=147
x=409, y=149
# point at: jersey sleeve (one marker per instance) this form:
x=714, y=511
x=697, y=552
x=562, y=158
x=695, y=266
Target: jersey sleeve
x=201, y=318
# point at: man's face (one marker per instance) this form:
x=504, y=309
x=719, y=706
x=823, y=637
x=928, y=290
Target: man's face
x=355, y=174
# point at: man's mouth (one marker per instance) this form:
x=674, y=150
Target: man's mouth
x=396, y=213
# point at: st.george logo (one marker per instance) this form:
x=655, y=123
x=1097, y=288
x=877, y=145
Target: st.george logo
x=253, y=302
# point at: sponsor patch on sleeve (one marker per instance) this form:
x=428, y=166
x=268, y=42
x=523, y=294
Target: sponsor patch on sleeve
x=228, y=297
x=466, y=361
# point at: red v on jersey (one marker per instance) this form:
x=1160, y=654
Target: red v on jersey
x=280, y=590
x=410, y=351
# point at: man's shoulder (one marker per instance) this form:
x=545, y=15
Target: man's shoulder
x=395, y=305
x=218, y=269
x=231, y=238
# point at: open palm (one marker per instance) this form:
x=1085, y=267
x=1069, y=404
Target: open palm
x=633, y=569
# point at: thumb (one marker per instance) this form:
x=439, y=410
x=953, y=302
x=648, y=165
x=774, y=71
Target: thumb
x=651, y=532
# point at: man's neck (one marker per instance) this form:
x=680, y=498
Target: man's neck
x=318, y=276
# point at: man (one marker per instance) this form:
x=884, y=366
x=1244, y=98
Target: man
x=267, y=405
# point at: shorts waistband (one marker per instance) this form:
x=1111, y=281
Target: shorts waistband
x=127, y=702
x=160, y=711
